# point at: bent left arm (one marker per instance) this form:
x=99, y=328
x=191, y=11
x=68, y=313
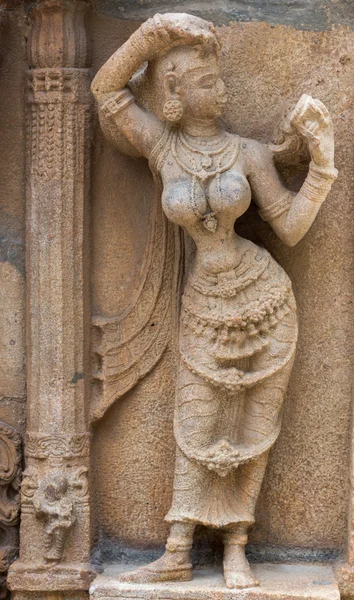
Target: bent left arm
x=289, y=214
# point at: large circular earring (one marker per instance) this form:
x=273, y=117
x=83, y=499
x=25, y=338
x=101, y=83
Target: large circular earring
x=173, y=110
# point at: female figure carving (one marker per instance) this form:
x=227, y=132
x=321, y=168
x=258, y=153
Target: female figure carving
x=238, y=325
x=57, y=511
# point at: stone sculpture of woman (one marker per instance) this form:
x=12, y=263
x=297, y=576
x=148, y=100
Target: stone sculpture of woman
x=238, y=325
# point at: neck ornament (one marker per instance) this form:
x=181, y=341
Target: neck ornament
x=204, y=159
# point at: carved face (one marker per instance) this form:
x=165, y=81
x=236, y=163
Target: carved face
x=202, y=91
x=56, y=489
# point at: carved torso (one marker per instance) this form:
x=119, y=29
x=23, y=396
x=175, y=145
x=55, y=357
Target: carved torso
x=236, y=295
x=205, y=201
x=238, y=324
x=185, y=198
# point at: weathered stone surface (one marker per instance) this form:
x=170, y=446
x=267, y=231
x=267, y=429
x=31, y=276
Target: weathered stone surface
x=313, y=15
x=237, y=330
x=276, y=581
x=10, y=481
x=265, y=68
x=55, y=516
x=302, y=511
x=12, y=314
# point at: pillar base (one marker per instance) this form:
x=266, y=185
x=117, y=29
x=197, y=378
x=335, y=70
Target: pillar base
x=63, y=595
x=70, y=577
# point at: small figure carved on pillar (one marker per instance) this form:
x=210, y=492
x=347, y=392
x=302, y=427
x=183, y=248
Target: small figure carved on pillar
x=57, y=511
x=238, y=326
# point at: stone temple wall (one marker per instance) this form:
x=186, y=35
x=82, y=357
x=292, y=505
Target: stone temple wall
x=266, y=69
x=75, y=227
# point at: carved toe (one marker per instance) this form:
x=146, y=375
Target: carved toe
x=240, y=579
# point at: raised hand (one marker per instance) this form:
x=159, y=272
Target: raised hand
x=176, y=29
x=312, y=120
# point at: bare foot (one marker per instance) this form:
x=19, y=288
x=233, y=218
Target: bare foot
x=172, y=566
x=237, y=571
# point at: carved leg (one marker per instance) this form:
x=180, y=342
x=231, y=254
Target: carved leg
x=237, y=571
x=56, y=544
x=263, y=405
x=261, y=412
x=174, y=564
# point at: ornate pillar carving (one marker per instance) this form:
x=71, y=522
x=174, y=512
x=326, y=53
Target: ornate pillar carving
x=55, y=523
x=10, y=479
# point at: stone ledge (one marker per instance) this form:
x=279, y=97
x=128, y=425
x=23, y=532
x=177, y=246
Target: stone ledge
x=277, y=582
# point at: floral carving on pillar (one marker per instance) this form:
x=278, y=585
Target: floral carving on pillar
x=55, y=523
x=10, y=480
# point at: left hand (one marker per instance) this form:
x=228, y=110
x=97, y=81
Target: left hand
x=312, y=120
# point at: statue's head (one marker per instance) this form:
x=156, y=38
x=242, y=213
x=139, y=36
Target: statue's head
x=190, y=81
x=57, y=488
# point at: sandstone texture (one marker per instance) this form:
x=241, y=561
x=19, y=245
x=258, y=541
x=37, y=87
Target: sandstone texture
x=78, y=220
x=265, y=69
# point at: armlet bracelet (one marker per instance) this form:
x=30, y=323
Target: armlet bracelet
x=116, y=103
x=277, y=208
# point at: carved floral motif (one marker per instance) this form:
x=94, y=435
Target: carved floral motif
x=46, y=446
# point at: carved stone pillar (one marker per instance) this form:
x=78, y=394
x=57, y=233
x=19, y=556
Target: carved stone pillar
x=55, y=522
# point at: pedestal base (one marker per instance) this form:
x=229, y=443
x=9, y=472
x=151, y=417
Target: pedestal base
x=70, y=577
x=344, y=575
x=277, y=582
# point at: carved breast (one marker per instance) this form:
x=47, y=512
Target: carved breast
x=186, y=199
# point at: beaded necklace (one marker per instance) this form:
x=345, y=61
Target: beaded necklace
x=214, y=158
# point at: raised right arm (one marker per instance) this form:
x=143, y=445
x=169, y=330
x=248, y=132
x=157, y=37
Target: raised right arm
x=118, y=111
x=117, y=107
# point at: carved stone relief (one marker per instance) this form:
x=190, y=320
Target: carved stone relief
x=127, y=347
x=54, y=504
x=234, y=327
x=10, y=480
x=238, y=326
x=55, y=521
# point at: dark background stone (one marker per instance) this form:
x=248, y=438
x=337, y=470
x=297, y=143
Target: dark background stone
x=313, y=15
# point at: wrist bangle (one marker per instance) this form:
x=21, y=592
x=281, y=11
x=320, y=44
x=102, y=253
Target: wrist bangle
x=138, y=42
x=330, y=173
x=318, y=182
